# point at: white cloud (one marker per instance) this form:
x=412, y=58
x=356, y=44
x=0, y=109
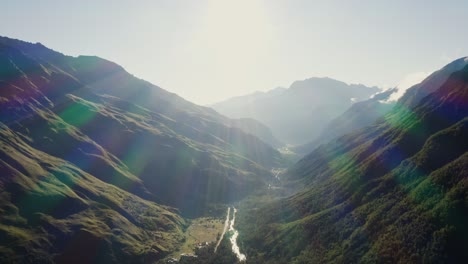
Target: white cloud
x=405, y=83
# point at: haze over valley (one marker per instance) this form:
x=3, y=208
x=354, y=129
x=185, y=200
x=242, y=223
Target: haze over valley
x=101, y=164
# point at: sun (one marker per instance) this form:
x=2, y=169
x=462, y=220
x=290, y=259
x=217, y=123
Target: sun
x=231, y=43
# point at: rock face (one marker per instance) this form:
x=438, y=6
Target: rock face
x=298, y=114
x=187, y=258
x=95, y=156
x=393, y=192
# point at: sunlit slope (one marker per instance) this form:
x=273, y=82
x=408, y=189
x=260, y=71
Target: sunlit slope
x=394, y=192
x=128, y=132
x=50, y=210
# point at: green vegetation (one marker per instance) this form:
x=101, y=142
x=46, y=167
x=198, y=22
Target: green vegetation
x=97, y=162
x=98, y=166
x=200, y=231
x=395, y=192
x=52, y=211
x=206, y=255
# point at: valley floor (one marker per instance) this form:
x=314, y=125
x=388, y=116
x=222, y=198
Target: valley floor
x=201, y=231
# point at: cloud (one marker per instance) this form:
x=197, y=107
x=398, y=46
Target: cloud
x=405, y=83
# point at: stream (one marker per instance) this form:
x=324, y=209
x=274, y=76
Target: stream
x=234, y=234
x=235, y=247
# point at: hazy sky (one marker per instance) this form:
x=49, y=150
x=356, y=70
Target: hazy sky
x=209, y=50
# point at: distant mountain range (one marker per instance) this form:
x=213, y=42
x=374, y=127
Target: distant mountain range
x=395, y=191
x=362, y=114
x=93, y=155
x=297, y=115
x=359, y=115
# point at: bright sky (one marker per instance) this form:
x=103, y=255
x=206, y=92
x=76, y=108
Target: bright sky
x=209, y=50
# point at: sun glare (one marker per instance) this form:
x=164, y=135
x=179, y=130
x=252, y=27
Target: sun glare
x=233, y=37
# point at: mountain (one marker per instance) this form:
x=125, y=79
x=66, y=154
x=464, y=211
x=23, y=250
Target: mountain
x=96, y=160
x=254, y=127
x=247, y=124
x=52, y=211
x=362, y=114
x=359, y=115
x=232, y=105
x=432, y=83
x=394, y=192
x=298, y=114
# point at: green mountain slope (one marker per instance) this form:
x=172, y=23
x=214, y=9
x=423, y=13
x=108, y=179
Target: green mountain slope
x=127, y=131
x=53, y=211
x=94, y=161
x=395, y=192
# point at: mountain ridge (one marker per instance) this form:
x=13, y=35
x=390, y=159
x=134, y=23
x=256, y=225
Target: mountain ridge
x=94, y=157
x=288, y=112
x=392, y=192
x=358, y=115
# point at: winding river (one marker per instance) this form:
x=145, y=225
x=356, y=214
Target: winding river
x=235, y=247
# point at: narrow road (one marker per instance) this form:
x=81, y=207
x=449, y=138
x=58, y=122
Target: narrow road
x=226, y=224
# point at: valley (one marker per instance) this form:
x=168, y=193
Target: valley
x=93, y=153
x=207, y=234
x=200, y=232
x=99, y=166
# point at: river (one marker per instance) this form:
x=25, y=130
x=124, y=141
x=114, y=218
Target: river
x=234, y=234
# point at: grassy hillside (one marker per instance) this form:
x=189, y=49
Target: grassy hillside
x=53, y=211
x=95, y=161
x=395, y=192
x=128, y=132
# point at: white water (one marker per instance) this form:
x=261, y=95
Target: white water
x=235, y=234
x=235, y=247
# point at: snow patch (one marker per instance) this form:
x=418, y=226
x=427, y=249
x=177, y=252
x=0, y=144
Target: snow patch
x=407, y=82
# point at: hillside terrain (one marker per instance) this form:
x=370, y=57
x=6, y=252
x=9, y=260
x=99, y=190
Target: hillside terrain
x=394, y=192
x=53, y=211
x=99, y=166
x=95, y=159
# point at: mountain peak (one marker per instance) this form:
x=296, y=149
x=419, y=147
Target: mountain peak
x=414, y=94
x=297, y=114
